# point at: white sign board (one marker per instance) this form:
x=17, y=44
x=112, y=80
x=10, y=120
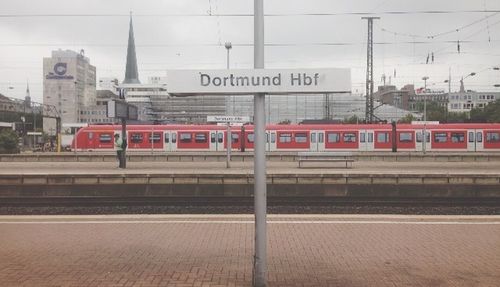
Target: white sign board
x=269, y=81
x=228, y=119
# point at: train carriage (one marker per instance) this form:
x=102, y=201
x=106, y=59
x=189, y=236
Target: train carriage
x=363, y=137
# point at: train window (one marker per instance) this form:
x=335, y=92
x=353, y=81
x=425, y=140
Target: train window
x=362, y=137
x=220, y=137
x=273, y=138
x=235, y=137
x=479, y=137
x=200, y=138
x=167, y=137
x=105, y=138
x=91, y=135
x=313, y=137
x=174, y=137
x=212, y=137
x=457, y=137
x=321, y=137
x=185, y=137
x=136, y=138
x=471, y=137
x=493, y=137
x=370, y=137
x=286, y=138
x=405, y=137
x=333, y=137
x=349, y=137
x=419, y=137
x=440, y=137
x=267, y=138
x=250, y=137
x=383, y=137
x=156, y=138
x=301, y=137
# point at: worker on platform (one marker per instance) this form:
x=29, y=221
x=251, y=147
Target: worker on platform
x=119, y=150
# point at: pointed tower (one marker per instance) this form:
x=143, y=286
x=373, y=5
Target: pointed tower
x=131, y=73
x=27, y=98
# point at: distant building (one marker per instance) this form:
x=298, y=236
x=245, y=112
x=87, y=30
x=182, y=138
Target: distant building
x=69, y=84
x=390, y=95
x=97, y=114
x=439, y=97
x=465, y=101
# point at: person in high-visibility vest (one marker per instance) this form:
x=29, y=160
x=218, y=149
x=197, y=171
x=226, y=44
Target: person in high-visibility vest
x=119, y=149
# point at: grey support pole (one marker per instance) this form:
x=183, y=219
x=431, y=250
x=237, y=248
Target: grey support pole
x=260, y=193
x=229, y=140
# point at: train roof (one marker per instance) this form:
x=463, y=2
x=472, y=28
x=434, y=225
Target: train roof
x=299, y=127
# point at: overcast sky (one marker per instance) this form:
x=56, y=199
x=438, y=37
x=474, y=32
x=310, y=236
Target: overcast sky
x=195, y=36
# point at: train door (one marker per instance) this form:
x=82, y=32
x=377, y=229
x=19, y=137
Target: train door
x=419, y=140
x=217, y=140
x=366, y=140
x=317, y=140
x=474, y=140
x=170, y=140
x=271, y=140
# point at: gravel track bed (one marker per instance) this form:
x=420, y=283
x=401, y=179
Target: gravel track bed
x=75, y=210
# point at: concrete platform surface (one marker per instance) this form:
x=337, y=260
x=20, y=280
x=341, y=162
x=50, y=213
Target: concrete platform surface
x=16, y=168
x=217, y=250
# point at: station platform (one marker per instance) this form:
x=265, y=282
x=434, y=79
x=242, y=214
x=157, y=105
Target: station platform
x=411, y=179
x=217, y=250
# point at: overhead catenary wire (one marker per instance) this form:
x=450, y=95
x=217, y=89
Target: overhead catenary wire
x=19, y=15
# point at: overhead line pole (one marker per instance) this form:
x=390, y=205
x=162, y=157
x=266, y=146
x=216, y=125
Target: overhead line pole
x=260, y=192
x=369, y=71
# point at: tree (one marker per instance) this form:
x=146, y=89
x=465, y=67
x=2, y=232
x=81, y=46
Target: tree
x=9, y=141
x=407, y=119
x=352, y=120
x=488, y=114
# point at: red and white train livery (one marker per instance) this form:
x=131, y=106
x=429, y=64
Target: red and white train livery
x=362, y=137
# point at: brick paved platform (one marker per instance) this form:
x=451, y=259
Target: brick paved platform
x=204, y=250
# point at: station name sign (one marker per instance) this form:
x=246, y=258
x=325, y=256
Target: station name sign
x=228, y=119
x=269, y=81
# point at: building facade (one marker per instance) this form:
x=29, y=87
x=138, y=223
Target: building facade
x=465, y=101
x=69, y=84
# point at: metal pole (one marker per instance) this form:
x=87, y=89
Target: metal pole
x=260, y=193
x=369, y=71
x=124, y=140
x=425, y=115
x=228, y=145
x=229, y=138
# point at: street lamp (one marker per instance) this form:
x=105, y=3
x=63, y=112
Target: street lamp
x=228, y=46
x=425, y=114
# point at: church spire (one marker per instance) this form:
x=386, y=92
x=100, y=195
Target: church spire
x=131, y=73
x=27, y=98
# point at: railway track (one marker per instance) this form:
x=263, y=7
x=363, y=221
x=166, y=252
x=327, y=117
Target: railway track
x=246, y=202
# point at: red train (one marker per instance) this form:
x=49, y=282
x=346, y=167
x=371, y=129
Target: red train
x=363, y=137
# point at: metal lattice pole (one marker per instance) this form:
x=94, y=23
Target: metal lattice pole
x=369, y=71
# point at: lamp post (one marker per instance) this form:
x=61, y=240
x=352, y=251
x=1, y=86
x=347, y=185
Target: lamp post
x=229, y=140
x=425, y=114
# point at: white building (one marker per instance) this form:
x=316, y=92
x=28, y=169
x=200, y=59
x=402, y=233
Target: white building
x=465, y=101
x=69, y=84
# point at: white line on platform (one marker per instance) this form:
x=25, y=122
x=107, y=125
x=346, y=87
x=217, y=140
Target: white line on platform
x=252, y=222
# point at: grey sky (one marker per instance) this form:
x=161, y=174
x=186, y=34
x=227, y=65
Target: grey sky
x=169, y=42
